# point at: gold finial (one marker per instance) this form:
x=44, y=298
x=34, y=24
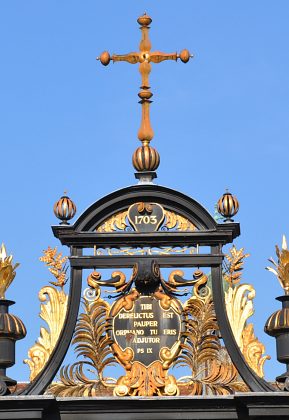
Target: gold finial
x=7, y=271
x=145, y=158
x=282, y=266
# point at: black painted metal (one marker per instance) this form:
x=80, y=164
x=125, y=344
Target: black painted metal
x=254, y=382
x=124, y=261
x=39, y=385
x=11, y=329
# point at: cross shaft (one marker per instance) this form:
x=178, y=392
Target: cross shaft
x=145, y=158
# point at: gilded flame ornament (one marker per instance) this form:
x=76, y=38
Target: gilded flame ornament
x=281, y=269
x=7, y=271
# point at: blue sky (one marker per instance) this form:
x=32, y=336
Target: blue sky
x=68, y=123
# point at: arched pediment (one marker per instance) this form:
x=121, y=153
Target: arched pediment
x=122, y=199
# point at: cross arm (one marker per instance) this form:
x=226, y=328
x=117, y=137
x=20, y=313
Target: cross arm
x=132, y=58
x=158, y=56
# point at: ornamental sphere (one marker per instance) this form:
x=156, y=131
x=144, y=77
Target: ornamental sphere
x=64, y=209
x=146, y=159
x=228, y=206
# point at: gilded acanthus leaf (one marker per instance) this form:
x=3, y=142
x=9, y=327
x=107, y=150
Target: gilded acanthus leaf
x=114, y=223
x=239, y=306
x=212, y=371
x=92, y=345
x=52, y=311
x=174, y=221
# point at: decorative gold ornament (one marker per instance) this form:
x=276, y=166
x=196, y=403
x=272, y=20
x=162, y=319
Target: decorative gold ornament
x=64, y=209
x=56, y=264
x=120, y=222
x=239, y=306
x=147, y=251
x=117, y=222
x=212, y=371
x=145, y=158
x=228, y=206
x=7, y=271
x=52, y=311
x=177, y=222
x=234, y=265
x=282, y=266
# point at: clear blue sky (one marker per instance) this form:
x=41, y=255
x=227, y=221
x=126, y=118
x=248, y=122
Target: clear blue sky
x=69, y=123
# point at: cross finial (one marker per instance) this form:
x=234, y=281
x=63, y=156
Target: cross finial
x=145, y=159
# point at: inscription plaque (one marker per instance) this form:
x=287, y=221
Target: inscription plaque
x=146, y=329
x=146, y=217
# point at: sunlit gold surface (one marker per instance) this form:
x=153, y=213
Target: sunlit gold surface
x=56, y=264
x=281, y=269
x=239, y=306
x=173, y=221
x=7, y=271
x=52, y=311
x=212, y=371
x=234, y=266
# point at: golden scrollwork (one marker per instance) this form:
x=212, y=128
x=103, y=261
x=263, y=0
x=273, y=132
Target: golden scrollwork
x=7, y=271
x=119, y=222
x=52, y=310
x=175, y=221
x=239, y=306
x=147, y=251
x=146, y=381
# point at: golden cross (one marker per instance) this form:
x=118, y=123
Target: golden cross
x=145, y=158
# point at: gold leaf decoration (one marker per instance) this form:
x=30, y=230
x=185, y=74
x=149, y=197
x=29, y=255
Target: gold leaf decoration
x=281, y=269
x=114, y=223
x=56, y=264
x=174, y=221
x=119, y=222
x=212, y=371
x=52, y=311
x=92, y=344
x=234, y=267
x=239, y=306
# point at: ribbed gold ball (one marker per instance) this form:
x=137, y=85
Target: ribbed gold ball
x=146, y=159
x=64, y=209
x=228, y=206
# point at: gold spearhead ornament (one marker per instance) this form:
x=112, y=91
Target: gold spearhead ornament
x=7, y=271
x=145, y=158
